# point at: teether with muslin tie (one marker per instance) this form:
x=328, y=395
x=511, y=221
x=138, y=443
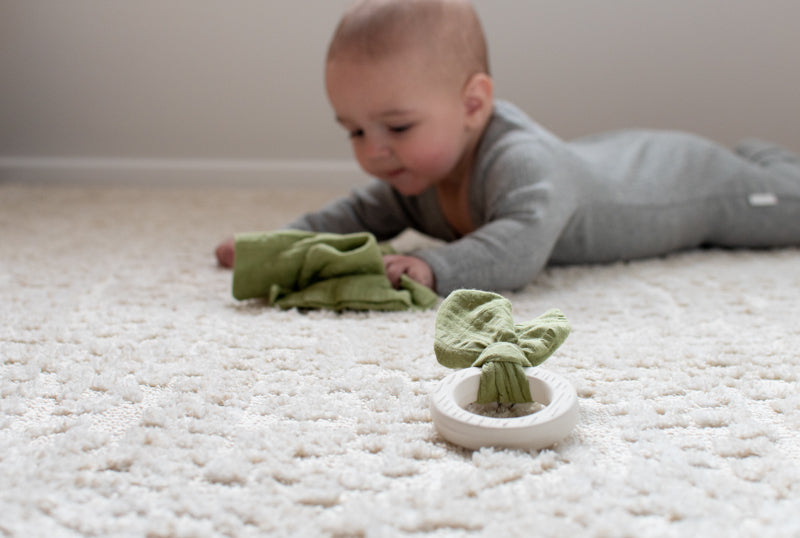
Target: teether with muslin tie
x=498, y=362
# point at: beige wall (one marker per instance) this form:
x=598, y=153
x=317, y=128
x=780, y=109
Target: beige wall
x=233, y=88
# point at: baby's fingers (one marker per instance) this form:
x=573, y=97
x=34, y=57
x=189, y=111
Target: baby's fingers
x=422, y=273
x=397, y=265
x=394, y=268
x=225, y=252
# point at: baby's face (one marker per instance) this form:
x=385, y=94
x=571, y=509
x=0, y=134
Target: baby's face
x=406, y=126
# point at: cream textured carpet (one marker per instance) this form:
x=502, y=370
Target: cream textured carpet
x=140, y=399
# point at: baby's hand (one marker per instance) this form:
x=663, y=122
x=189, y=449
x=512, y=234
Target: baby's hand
x=225, y=252
x=397, y=265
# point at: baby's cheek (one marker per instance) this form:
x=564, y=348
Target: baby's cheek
x=436, y=160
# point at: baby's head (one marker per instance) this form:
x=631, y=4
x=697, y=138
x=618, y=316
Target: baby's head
x=448, y=33
x=409, y=79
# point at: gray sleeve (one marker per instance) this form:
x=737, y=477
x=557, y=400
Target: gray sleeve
x=374, y=208
x=529, y=201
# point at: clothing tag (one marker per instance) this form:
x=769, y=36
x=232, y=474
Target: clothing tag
x=762, y=199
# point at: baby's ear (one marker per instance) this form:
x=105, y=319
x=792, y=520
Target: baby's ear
x=478, y=97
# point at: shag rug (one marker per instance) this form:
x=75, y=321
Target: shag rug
x=140, y=399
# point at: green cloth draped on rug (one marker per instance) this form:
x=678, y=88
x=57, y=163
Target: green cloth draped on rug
x=476, y=329
x=297, y=269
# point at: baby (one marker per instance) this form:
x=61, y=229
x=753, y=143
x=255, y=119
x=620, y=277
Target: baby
x=409, y=81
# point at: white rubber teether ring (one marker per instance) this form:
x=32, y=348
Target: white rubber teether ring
x=535, y=431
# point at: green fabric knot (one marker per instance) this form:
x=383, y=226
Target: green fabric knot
x=476, y=329
x=502, y=376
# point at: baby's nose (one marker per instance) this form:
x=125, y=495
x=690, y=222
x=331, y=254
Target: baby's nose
x=377, y=149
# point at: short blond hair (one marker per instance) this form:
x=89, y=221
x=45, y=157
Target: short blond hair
x=448, y=31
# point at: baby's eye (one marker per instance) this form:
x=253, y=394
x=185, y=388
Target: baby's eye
x=400, y=128
x=356, y=133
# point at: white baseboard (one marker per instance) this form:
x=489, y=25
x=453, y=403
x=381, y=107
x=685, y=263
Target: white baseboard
x=335, y=174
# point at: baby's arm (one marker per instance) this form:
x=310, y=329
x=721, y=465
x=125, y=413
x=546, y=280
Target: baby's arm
x=529, y=201
x=373, y=208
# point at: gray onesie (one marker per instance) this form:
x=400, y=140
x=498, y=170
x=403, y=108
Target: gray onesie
x=536, y=199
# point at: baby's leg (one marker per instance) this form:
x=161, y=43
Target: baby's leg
x=769, y=216
x=767, y=154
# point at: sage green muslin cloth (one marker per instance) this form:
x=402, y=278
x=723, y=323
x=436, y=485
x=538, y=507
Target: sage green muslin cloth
x=475, y=328
x=293, y=268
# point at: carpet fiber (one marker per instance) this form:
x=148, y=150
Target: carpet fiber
x=140, y=399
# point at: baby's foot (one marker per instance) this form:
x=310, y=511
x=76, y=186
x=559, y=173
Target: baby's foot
x=765, y=153
x=225, y=252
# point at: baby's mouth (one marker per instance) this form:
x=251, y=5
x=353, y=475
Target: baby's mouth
x=395, y=173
